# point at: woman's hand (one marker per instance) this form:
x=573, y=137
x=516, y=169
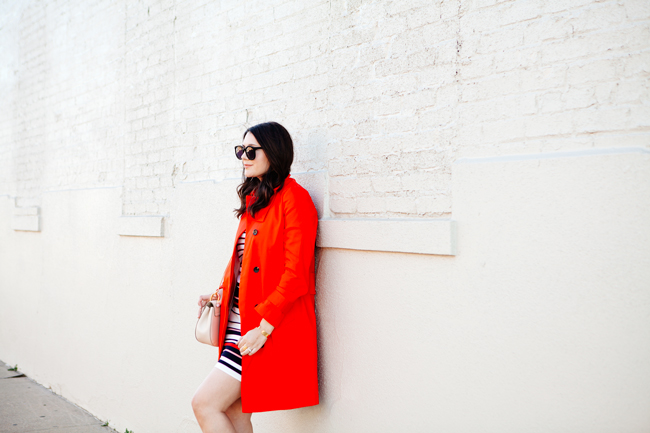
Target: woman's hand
x=254, y=340
x=203, y=299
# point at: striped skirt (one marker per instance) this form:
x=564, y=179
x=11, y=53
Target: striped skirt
x=230, y=360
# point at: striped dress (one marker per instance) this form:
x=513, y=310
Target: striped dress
x=230, y=360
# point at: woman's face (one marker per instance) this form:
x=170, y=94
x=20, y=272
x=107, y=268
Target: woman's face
x=258, y=166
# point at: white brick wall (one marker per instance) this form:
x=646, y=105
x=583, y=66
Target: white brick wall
x=61, y=115
x=383, y=95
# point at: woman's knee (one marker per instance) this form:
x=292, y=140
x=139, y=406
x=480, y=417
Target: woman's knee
x=198, y=402
x=201, y=403
x=204, y=402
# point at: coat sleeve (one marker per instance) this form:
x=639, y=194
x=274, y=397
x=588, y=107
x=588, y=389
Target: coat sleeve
x=301, y=221
x=226, y=273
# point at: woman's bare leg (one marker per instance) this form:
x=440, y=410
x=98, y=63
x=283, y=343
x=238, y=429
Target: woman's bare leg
x=213, y=398
x=241, y=421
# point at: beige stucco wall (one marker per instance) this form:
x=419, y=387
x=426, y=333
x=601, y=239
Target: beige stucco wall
x=481, y=170
x=540, y=322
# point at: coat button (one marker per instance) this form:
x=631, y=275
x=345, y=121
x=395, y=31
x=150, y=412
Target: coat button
x=255, y=232
x=256, y=269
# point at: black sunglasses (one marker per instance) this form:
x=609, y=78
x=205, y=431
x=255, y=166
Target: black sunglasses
x=250, y=151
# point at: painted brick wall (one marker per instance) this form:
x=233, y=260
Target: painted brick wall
x=61, y=97
x=383, y=95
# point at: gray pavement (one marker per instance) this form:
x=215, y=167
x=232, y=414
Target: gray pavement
x=26, y=406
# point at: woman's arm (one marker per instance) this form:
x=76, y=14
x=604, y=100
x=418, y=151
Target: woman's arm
x=266, y=326
x=301, y=221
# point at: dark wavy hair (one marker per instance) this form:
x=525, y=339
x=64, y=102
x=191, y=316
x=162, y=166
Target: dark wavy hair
x=278, y=147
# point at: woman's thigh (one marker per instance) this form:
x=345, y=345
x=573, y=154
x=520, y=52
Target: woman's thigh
x=219, y=391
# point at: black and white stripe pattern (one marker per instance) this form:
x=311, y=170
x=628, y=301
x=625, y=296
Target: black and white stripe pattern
x=230, y=360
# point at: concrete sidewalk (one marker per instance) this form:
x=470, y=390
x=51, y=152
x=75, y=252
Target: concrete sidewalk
x=26, y=406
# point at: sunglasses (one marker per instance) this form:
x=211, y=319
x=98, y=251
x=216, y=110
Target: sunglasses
x=250, y=151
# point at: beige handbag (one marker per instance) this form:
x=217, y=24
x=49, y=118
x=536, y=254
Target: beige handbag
x=207, y=327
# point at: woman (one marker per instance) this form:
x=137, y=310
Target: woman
x=268, y=325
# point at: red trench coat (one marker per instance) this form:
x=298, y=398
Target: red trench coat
x=278, y=284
